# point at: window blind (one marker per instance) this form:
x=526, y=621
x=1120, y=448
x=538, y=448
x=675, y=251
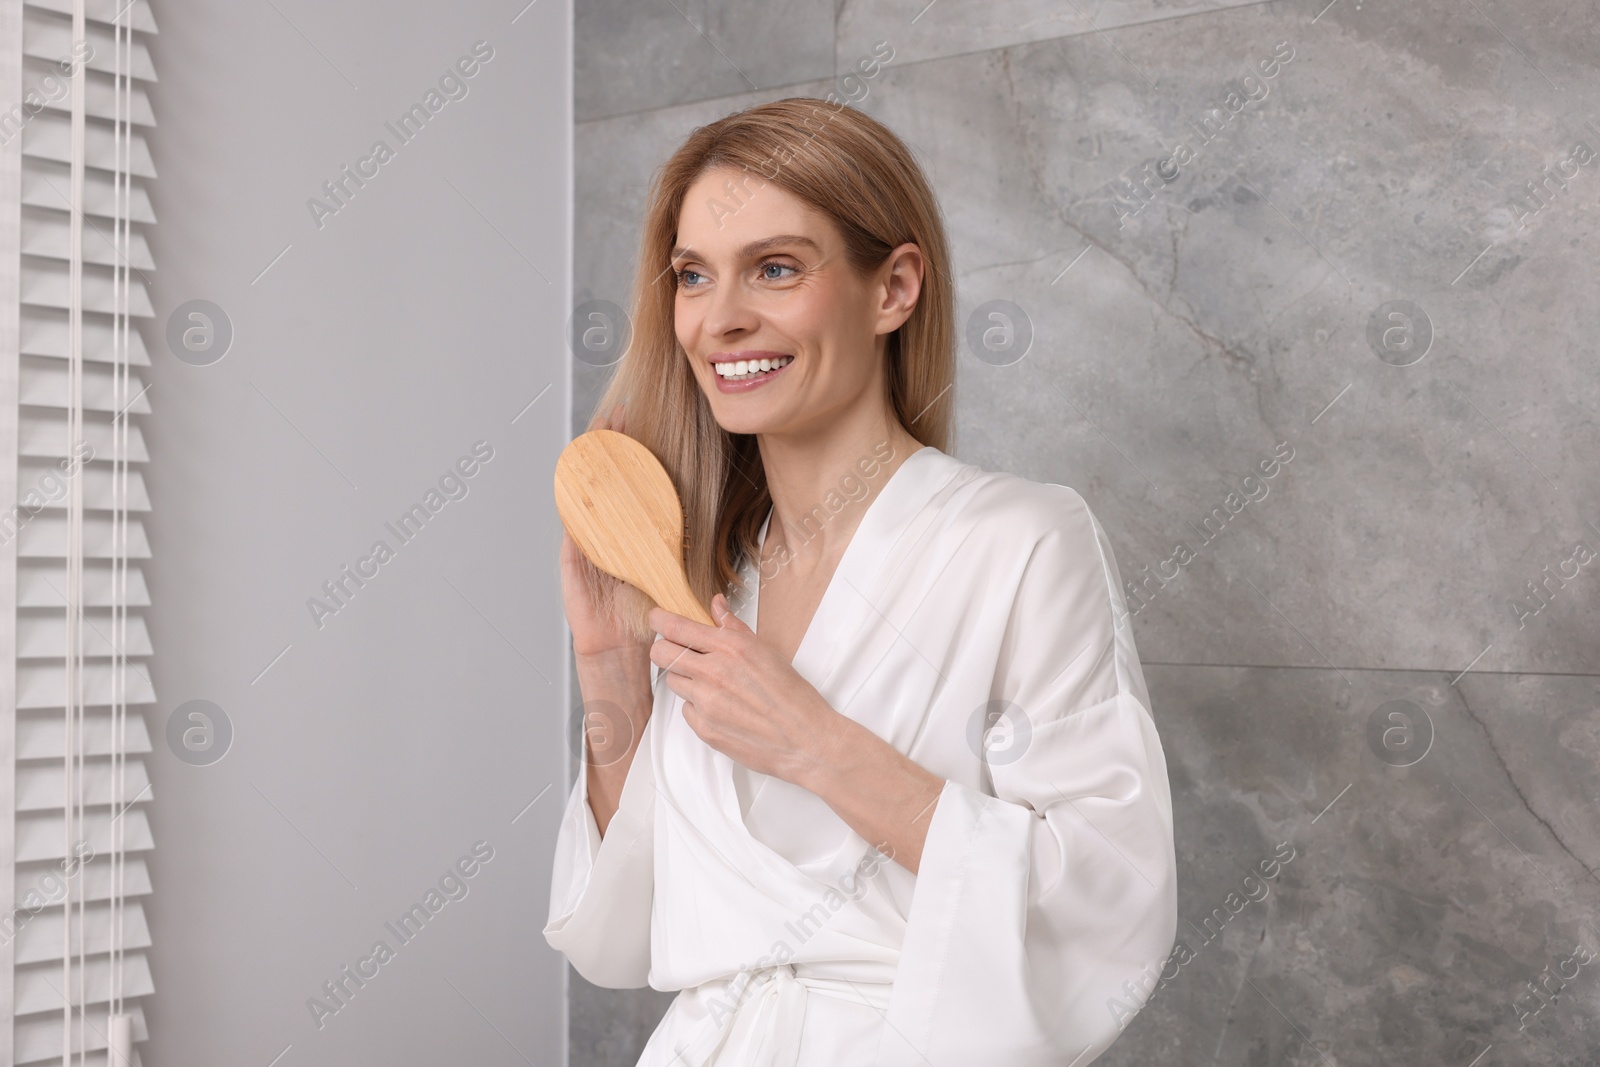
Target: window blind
x=74, y=266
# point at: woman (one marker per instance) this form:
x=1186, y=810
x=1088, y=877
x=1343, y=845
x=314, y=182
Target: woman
x=904, y=803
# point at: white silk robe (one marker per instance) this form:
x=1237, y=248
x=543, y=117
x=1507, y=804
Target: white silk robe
x=976, y=622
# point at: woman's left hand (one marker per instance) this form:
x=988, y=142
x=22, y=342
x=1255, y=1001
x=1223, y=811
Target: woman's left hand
x=741, y=696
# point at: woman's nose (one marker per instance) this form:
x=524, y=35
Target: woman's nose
x=729, y=310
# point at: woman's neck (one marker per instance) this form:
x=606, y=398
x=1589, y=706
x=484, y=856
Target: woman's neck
x=812, y=482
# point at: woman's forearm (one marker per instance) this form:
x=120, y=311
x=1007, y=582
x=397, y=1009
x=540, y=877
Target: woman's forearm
x=878, y=791
x=616, y=700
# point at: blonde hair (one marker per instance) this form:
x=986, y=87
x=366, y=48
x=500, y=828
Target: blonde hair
x=849, y=167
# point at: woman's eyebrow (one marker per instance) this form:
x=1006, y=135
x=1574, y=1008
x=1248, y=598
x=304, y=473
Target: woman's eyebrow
x=756, y=248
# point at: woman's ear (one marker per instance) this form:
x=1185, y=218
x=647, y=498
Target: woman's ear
x=902, y=287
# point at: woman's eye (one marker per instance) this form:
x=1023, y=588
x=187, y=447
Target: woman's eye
x=688, y=278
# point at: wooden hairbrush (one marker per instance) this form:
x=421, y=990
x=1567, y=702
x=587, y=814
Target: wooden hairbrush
x=618, y=503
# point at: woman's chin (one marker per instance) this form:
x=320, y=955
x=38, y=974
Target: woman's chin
x=743, y=415
x=744, y=424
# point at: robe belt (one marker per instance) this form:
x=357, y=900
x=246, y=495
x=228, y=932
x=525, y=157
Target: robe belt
x=758, y=1024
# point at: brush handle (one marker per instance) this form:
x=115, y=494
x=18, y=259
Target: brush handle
x=682, y=601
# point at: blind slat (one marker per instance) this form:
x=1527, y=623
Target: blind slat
x=44, y=333
x=100, y=99
x=44, y=585
x=44, y=284
x=49, y=38
x=48, y=234
x=40, y=736
x=43, y=434
x=39, y=836
x=39, y=786
x=44, y=384
x=136, y=15
x=46, y=687
x=45, y=537
x=95, y=880
x=38, y=1039
x=39, y=938
x=49, y=136
x=45, y=184
x=38, y=987
x=41, y=634
x=33, y=487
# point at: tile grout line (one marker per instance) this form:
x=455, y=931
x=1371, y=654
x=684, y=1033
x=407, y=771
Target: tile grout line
x=1352, y=667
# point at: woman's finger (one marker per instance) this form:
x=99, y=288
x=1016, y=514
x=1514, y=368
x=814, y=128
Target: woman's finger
x=675, y=658
x=685, y=631
x=680, y=685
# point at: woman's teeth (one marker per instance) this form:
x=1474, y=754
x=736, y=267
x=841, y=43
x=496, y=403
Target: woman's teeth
x=744, y=369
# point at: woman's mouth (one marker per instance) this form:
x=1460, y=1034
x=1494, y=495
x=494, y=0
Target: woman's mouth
x=739, y=375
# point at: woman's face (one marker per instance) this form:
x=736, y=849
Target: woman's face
x=763, y=276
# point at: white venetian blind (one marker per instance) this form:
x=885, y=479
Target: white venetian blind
x=77, y=209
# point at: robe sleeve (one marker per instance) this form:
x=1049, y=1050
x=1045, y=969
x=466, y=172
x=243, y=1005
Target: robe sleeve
x=602, y=888
x=1033, y=905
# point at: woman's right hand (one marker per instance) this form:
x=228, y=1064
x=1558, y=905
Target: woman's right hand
x=594, y=634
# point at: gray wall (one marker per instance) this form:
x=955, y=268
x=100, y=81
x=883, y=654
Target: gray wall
x=1387, y=161
x=427, y=713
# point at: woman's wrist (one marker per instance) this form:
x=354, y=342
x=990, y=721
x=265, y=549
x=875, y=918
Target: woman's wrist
x=834, y=754
x=617, y=698
x=623, y=651
x=623, y=664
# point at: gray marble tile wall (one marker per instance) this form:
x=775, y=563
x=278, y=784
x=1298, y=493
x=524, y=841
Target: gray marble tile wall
x=1381, y=262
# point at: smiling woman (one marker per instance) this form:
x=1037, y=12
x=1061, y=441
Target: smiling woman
x=840, y=713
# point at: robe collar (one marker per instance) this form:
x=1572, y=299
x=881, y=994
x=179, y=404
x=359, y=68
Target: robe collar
x=851, y=592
